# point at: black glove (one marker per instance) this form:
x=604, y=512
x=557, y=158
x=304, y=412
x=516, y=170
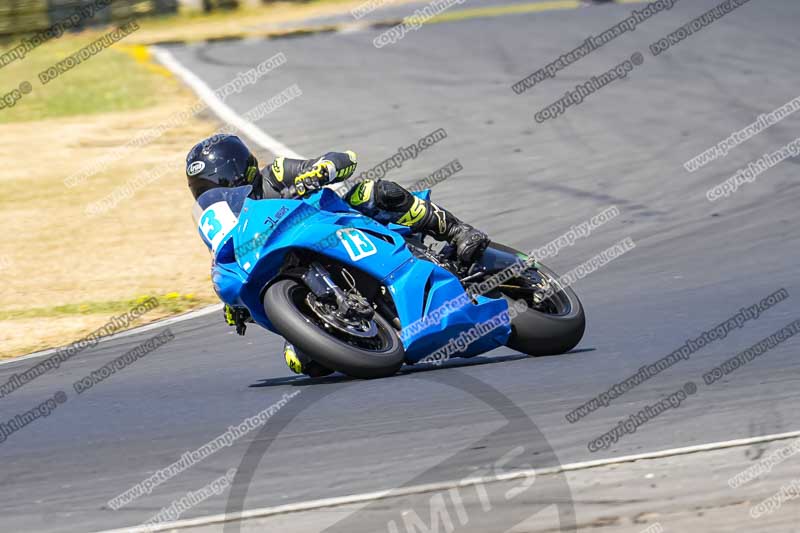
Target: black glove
x=237, y=316
x=319, y=175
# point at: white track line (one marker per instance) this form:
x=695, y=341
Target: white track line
x=225, y=112
x=366, y=497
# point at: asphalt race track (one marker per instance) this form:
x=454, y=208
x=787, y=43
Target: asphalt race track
x=695, y=264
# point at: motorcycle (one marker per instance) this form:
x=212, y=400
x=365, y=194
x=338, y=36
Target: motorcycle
x=364, y=298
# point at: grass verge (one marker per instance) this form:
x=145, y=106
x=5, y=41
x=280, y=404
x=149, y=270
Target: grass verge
x=66, y=272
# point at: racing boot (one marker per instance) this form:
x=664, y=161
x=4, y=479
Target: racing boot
x=300, y=363
x=443, y=225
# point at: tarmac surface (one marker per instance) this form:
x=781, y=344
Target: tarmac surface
x=695, y=265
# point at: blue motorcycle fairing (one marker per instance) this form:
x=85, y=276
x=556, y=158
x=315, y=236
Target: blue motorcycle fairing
x=429, y=287
x=269, y=229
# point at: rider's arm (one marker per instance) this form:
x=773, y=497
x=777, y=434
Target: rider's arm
x=344, y=162
x=331, y=167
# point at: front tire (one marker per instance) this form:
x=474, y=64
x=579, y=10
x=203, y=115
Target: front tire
x=284, y=304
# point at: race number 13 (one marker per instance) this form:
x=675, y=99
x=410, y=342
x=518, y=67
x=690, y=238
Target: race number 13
x=356, y=243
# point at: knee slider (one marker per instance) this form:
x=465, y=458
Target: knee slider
x=392, y=197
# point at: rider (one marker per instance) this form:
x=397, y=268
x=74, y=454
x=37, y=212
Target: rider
x=225, y=161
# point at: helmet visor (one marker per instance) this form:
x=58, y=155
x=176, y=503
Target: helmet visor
x=228, y=173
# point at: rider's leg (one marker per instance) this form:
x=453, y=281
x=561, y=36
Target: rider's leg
x=386, y=201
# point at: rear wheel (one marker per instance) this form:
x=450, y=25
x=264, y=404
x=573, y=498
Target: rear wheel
x=554, y=321
x=362, y=349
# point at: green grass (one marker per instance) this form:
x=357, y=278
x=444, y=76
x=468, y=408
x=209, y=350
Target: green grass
x=111, y=80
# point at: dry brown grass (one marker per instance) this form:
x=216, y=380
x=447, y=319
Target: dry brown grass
x=54, y=254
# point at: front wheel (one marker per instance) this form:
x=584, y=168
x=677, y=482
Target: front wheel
x=376, y=355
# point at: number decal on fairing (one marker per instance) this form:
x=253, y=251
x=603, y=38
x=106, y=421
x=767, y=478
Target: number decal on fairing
x=356, y=243
x=215, y=223
x=209, y=225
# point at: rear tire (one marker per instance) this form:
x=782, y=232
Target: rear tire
x=537, y=333
x=283, y=304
